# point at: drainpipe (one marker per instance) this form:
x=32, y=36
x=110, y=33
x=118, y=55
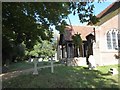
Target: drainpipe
x=94, y=33
x=83, y=49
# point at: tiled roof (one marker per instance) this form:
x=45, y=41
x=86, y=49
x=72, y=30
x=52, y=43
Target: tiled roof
x=83, y=30
x=68, y=33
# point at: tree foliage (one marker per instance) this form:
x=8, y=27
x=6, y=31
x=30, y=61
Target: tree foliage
x=45, y=48
x=31, y=22
x=77, y=39
x=78, y=42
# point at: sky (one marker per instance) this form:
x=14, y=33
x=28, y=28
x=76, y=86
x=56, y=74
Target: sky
x=75, y=20
x=98, y=8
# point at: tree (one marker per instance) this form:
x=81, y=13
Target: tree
x=29, y=21
x=78, y=42
x=45, y=48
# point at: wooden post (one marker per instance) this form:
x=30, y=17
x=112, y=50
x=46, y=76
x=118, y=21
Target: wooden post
x=52, y=68
x=35, y=61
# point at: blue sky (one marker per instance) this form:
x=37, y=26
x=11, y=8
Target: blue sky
x=98, y=8
x=75, y=20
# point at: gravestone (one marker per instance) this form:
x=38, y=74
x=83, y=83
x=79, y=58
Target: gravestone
x=40, y=60
x=55, y=58
x=92, y=64
x=4, y=69
x=31, y=59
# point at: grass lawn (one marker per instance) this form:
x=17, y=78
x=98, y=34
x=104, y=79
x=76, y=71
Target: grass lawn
x=25, y=65
x=66, y=77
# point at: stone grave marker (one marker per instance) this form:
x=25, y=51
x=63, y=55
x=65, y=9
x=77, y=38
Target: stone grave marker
x=92, y=64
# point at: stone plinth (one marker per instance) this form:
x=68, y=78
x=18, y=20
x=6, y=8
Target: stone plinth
x=81, y=61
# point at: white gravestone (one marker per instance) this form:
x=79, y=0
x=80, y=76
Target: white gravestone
x=35, y=61
x=55, y=58
x=92, y=64
x=40, y=60
x=31, y=60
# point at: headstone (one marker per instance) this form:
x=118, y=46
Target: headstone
x=4, y=69
x=40, y=59
x=35, y=61
x=55, y=56
x=92, y=64
x=31, y=59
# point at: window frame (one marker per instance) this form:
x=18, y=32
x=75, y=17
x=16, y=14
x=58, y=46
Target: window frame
x=111, y=31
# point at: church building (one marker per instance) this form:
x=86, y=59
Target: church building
x=101, y=40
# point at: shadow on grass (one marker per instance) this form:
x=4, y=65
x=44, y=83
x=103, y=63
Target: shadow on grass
x=63, y=77
x=22, y=66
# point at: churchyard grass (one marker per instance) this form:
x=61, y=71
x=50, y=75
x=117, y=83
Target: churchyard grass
x=66, y=77
x=25, y=65
x=19, y=66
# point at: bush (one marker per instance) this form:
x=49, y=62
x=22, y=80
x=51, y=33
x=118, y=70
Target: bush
x=117, y=56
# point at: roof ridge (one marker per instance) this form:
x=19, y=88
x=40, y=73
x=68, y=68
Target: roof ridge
x=107, y=8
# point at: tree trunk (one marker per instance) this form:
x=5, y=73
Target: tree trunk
x=62, y=52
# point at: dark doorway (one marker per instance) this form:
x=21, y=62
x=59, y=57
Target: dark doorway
x=84, y=48
x=90, y=38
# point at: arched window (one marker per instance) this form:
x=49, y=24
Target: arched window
x=109, y=41
x=118, y=36
x=113, y=39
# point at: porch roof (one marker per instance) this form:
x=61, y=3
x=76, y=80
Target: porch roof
x=83, y=30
